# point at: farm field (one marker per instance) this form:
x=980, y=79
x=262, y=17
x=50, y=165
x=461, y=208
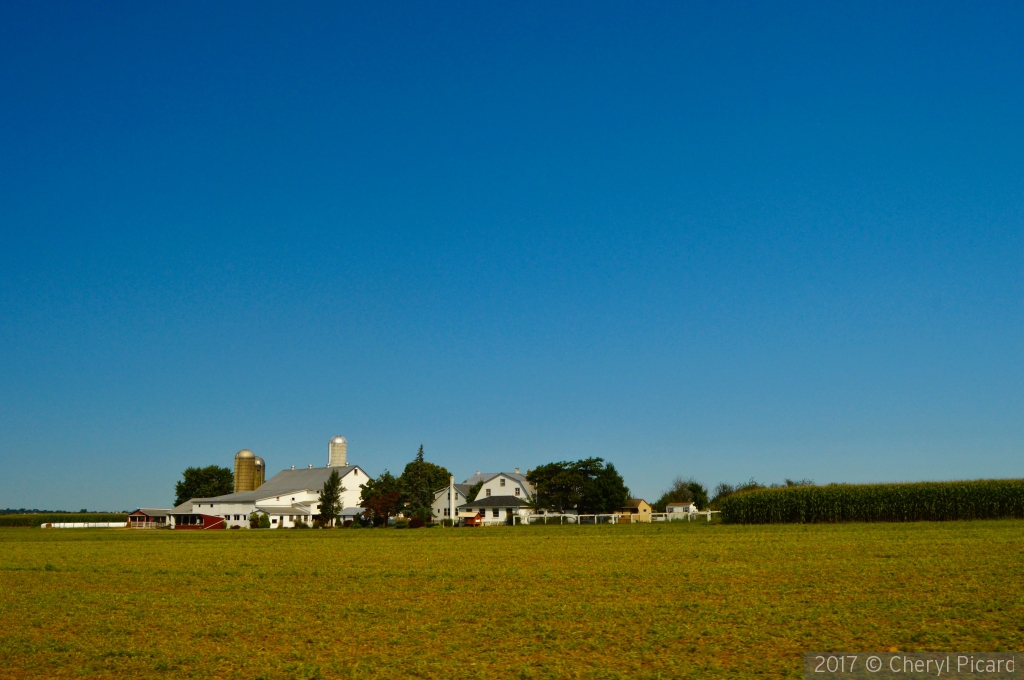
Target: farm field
x=684, y=600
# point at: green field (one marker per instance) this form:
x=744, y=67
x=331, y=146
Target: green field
x=684, y=600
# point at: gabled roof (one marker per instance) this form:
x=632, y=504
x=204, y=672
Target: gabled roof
x=496, y=502
x=488, y=476
x=183, y=509
x=284, y=482
x=634, y=502
x=459, y=488
x=153, y=512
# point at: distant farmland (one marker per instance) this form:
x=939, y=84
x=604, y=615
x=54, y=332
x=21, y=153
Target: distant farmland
x=36, y=519
x=619, y=601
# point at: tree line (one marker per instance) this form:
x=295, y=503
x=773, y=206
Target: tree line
x=689, y=490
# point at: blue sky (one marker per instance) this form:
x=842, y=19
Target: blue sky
x=727, y=241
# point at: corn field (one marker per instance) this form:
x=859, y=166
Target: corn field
x=921, y=501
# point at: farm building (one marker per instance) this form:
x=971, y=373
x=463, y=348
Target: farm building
x=501, y=484
x=148, y=518
x=510, y=489
x=638, y=510
x=685, y=508
x=496, y=509
x=288, y=497
x=183, y=517
x=441, y=507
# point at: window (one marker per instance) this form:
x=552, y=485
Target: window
x=517, y=490
x=227, y=516
x=291, y=518
x=494, y=513
x=273, y=521
x=488, y=493
x=502, y=482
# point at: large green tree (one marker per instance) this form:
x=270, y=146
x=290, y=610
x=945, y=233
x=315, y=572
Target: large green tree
x=588, y=486
x=418, y=482
x=681, y=491
x=330, y=499
x=381, y=497
x=204, y=482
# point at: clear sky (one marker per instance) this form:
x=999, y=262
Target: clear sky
x=722, y=240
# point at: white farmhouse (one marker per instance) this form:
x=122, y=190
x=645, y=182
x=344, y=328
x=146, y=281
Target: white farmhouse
x=502, y=484
x=288, y=497
x=495, y=509
x=682, y=507
x=441, y=507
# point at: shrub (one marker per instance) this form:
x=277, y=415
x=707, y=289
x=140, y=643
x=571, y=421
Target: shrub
x=416, y=523
x=921, y=501
x=264, y=522
x=401, y=523
x=347, y=523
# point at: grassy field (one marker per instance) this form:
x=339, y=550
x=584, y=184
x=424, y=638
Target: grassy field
x=664, y=601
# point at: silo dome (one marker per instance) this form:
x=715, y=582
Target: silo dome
x=245, y=470
x=337, y=452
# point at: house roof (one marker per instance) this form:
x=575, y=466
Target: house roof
x=496, y=502
x=153, y=512
x=284, y=482
x=634, y=502
x=488, y=476
x=183, y=509
x=460, y=488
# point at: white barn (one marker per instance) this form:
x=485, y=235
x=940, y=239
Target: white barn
x=288, y=497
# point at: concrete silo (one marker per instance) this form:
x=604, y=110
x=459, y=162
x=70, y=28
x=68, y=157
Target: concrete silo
x=337, y=452
x=245, y=470
x=261, y=473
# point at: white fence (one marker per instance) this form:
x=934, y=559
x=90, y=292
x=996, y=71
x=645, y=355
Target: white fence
x=613, y=518
x=83, y=525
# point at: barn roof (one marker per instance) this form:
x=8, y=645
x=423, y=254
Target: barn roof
x=284, y=482
x=153, y=512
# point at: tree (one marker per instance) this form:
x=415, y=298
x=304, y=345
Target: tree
x=381, y=497
x=418, y=482
x=589, y=486
x=205, y=482
x=724, y=490
x=381, y=506
x=473, y=491
x=682, y=491
x=330, y=499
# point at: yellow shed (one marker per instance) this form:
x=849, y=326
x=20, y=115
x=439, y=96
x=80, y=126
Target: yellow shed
x=638, y=510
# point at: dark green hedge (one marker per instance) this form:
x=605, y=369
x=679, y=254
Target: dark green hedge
x=921, y=501
x=36, y=520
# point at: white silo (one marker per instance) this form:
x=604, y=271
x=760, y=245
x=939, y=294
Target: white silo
x=337, y=452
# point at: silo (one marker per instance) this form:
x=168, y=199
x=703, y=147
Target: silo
x=245, y=470
x=261, y=473
x=337, y=452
